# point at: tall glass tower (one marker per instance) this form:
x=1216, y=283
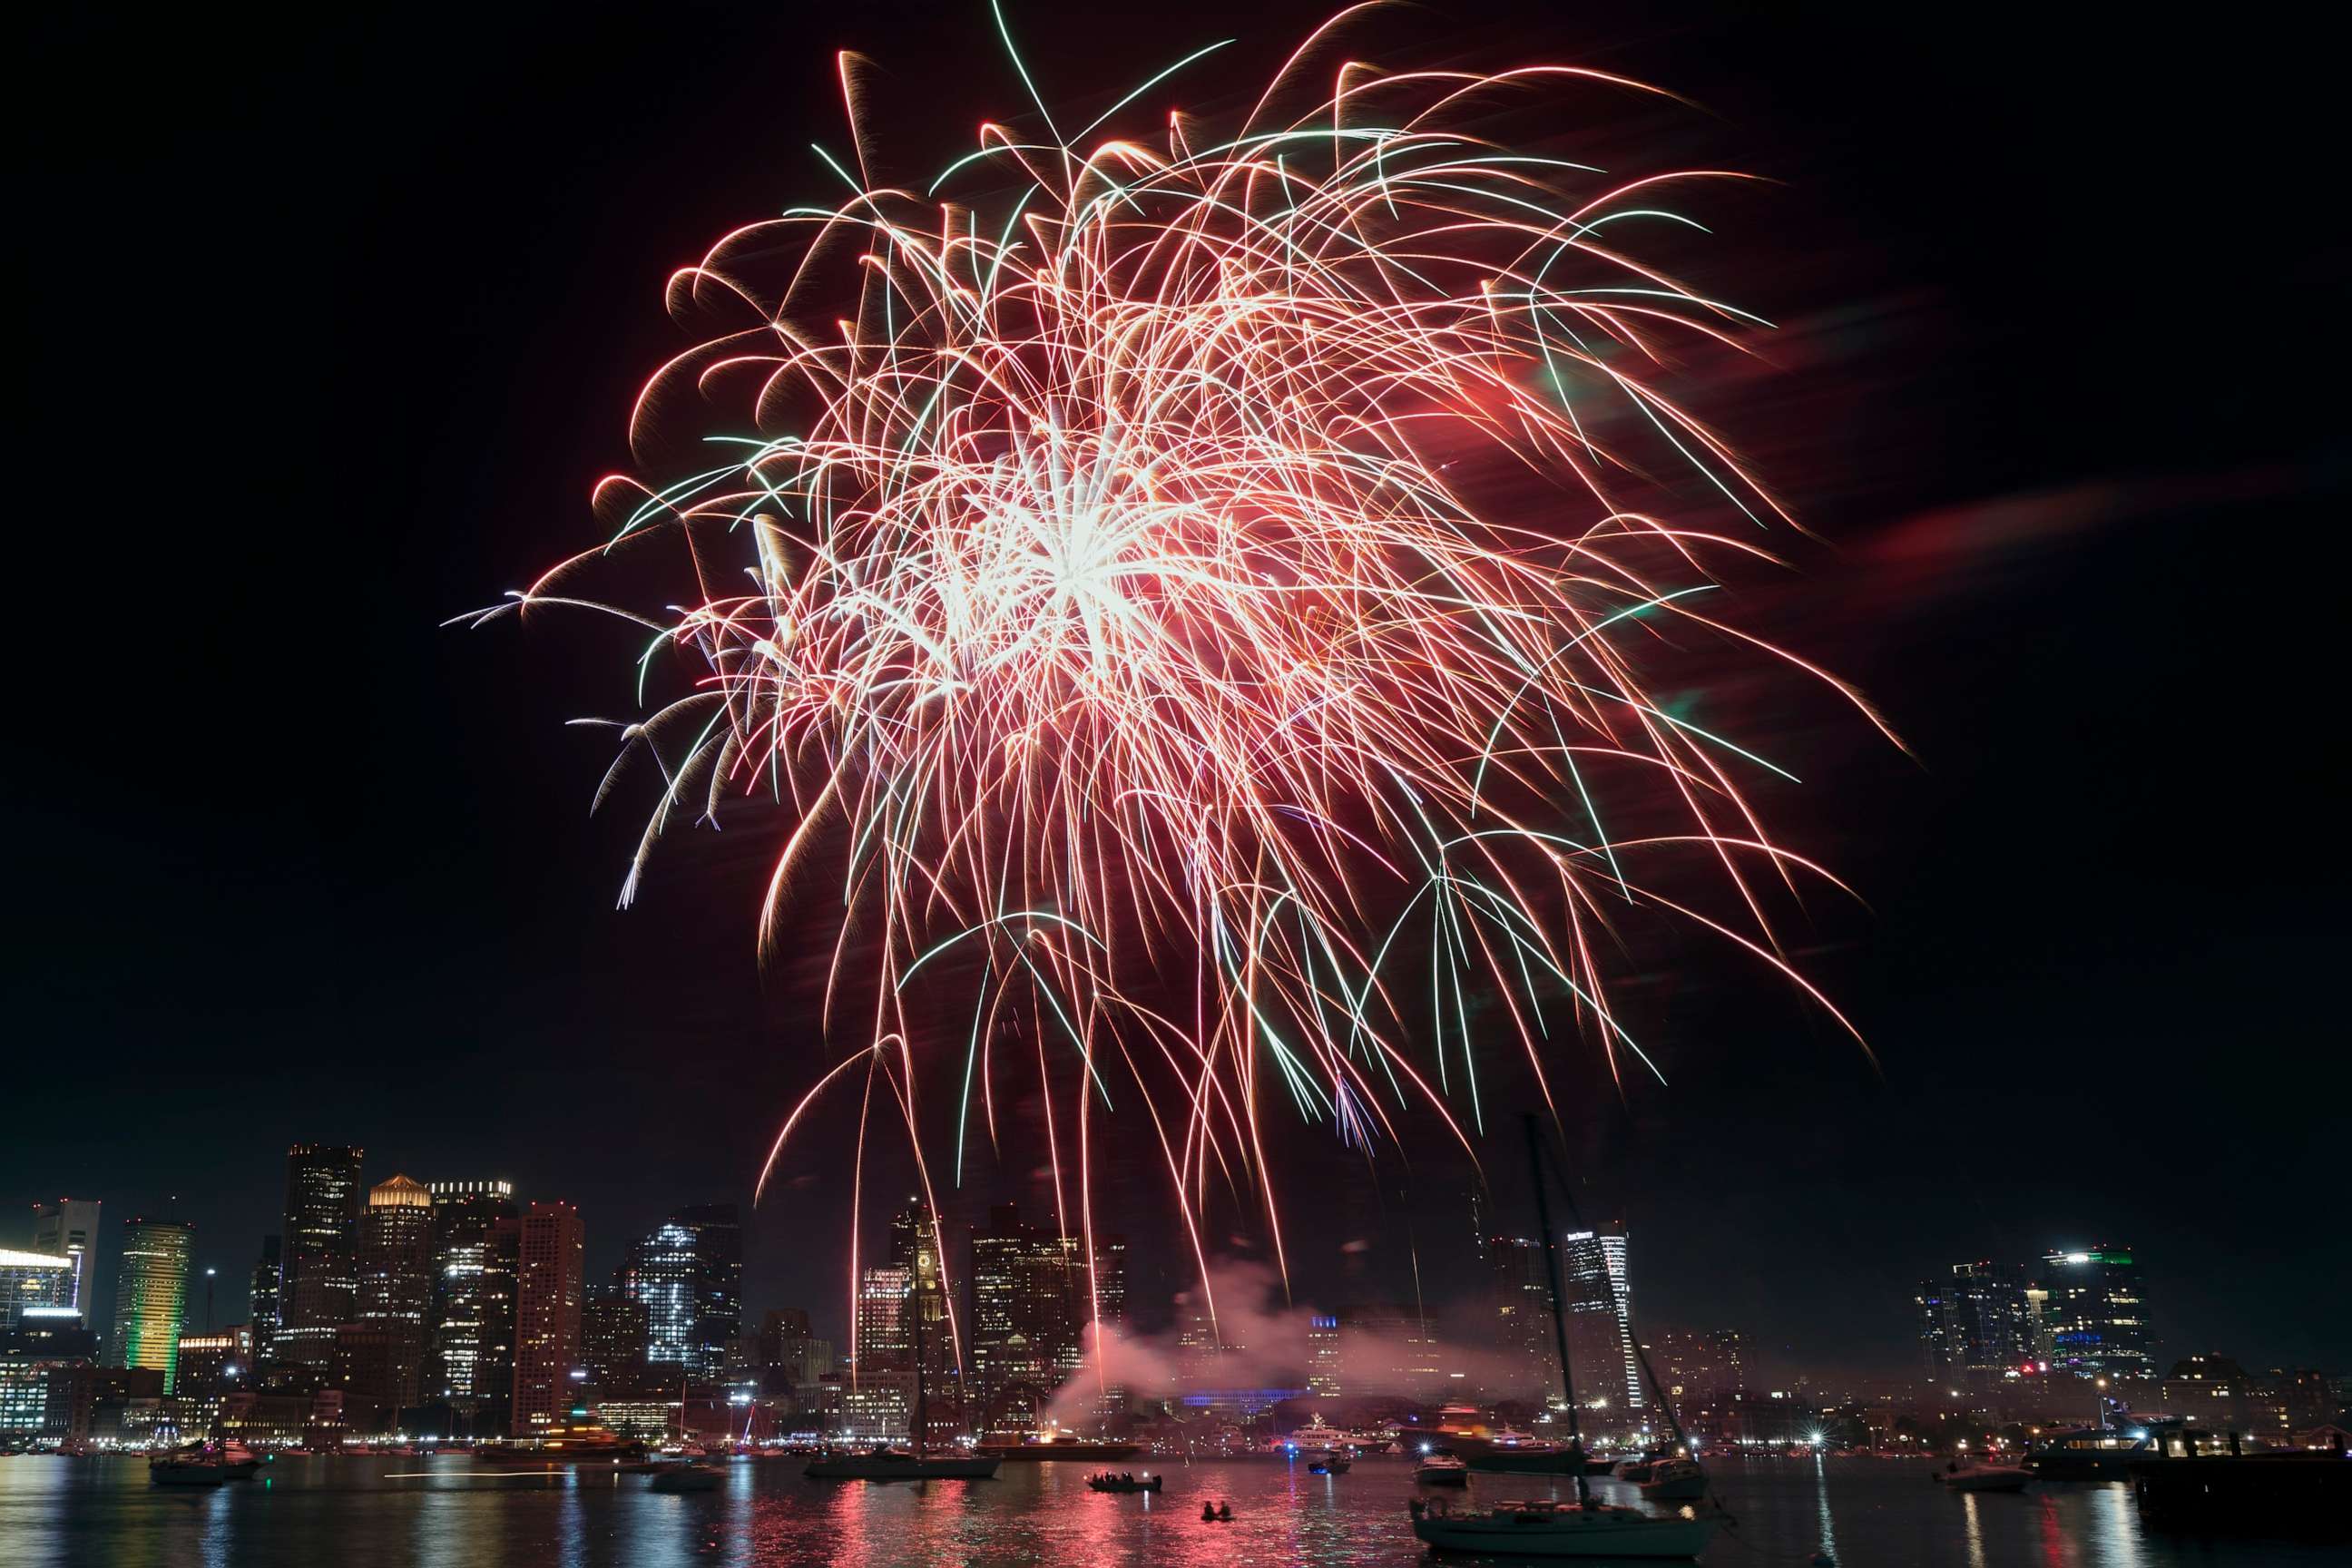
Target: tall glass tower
x=150, y=1296
x=323, y=1198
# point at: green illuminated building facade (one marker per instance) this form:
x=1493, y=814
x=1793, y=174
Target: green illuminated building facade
x=150, y=1296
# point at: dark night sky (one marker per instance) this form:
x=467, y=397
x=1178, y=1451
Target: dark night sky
x=331, y=331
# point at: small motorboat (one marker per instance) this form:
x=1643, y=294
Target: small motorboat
x=1442, y=1470
x=1108, y=1482
x=1329, y=1462
x=1675, y=1480
x=1984, y=1477
x=1542, y=1528
x=689, y=1477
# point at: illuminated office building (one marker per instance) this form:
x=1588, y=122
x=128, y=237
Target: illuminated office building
x=689, y=1273
x=151, y=1297
x=2095, y=1314
x=1323, y=1378
x=469, y=1355
x=1032, y=1297
x=321, y=1275
x=395, y=1297
x=1597, y=1298
x=68, y=1227
x=267, y=1276
x=549, y=1289
x=715, y=1284
x=33, y=1284
x=878, y=1404
x=1977, y=1325
x=1521, y=1320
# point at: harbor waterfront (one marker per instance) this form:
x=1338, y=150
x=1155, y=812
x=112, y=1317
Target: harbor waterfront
x=388, y=1511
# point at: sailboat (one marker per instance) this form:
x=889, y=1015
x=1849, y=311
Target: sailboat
x=1545, y=1528
x=885, y=1463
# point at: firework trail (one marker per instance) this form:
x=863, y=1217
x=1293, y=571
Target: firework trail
x=1105, y=565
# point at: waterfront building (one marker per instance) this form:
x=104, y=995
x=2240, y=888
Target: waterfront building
x=1979, y=1325
x=36, y=1284
x=267, y=1276
x=321, y=1273
x=150, y=1296
x=2096, y=1314
x=1323, y=1375
x=209, y=1363
x=1703, y=1373
x=395, y=1295
x=877, y=1405
x=68, y=1228
x=548, y=1297
x=469, y=1356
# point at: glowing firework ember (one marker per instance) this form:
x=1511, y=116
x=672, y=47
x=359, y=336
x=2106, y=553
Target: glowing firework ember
x=1109, y=569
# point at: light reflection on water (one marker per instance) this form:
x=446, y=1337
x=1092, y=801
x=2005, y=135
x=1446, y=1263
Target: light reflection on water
x=372, y=1514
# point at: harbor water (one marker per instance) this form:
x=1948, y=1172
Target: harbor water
x=454, y=1512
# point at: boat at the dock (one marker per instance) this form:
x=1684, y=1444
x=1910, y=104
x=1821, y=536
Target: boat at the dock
x=1675, y=1480
x=1542, y=1528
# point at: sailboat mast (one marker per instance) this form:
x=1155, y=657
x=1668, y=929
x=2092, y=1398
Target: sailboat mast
x=915, y=1305
x=1552, y=1269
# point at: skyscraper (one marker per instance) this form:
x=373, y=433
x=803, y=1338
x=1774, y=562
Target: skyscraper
x=715, y=1284
x=659, y=1272
x=1323, y=1375
x=1598, y=1298
x=1031, y=1297
x=268, y=1278
x=469, y=1357
x=2095, y=1315
x=320, y=1286
x=548, y=1295
x=613, y=1336
x=1976, y=1325
x=396, y=1286
x=879, y=1402
x=1521, y=1308
x=68, y=1227
x=689, y=1274
x=915, y=1246
x=34, y=1283
x=151, y=1297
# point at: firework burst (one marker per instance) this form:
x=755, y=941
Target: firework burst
x=1109, y=564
